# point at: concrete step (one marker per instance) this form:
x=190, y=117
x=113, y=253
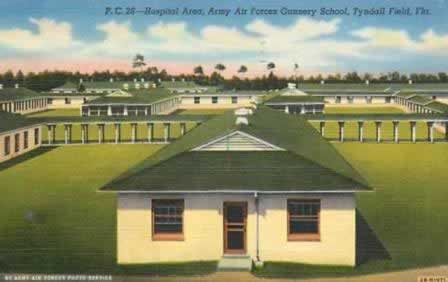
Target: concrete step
x=235, y=263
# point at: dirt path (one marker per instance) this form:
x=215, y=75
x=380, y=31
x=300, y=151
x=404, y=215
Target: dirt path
x=405, y=276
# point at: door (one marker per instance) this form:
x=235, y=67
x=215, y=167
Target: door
x=235, y=218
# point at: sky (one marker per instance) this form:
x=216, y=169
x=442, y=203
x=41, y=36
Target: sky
x=81, y=35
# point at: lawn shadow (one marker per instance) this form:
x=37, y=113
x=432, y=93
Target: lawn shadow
x=368, y=245
x=27, y=156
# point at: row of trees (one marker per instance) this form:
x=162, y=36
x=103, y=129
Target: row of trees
x=46, y=80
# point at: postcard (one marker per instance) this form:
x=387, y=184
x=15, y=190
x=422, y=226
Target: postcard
x=223, y=140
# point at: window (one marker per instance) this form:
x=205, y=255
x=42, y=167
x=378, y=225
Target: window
x=350, y=99
x=67, y=101
x=214, y=100
x=167, y=219
x=7, y=145
x=36, y=136
x=50, y=101
x=197, y=100
x=234, y=100
x=16, y=142
x=388, y=100
x=368, y=99
x=303, y=220
x=338, y=99
x=25, y=140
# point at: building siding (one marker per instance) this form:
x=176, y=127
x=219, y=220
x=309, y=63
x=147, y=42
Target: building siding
x=203, y=230
x=22, y=150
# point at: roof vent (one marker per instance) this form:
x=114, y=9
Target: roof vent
x=111, y=79
x=1, y=86
x=16, y=85
x=142, y=80
x=241, y=115
x=292, y=86
x=410, y=81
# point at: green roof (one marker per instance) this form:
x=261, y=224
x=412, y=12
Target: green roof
x=68, y=85
x=379, y=117
x=438, y=106
x=9, y=121
x=405, y=95
x=180, y=84
x=309, y=163
x=128, y=119
x=143, y=96
x=421, y=100
x=103, y=84
x=8, y=94
x=281, y=99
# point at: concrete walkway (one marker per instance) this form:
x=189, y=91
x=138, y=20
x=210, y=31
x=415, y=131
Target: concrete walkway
x=405, y=276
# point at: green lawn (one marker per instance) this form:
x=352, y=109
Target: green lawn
x=363, y=110
x=57, y=113
x=54, y=220
x=406, y=213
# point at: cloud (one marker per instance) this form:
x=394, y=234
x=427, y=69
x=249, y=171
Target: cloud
x=307, y=41
x=428, y=42
x=50, y=35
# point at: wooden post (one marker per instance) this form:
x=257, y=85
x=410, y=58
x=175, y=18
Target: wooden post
x=117, y=133
x=133, y=132
x=446, y=130
x=361, y=131
x=67, y=129
x=378, y=131
x=413, y=131
x=322, y=128
x=150, y=132
x=341, y=130
x=167, y=132
x=101, y=133
x=183, y=128
x=49, y=133
x=430, y=125
x=395, y=131
x=84, y=133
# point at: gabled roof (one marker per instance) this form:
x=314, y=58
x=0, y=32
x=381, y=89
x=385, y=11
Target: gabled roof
x=10, y=94
x=9, y=121
x=437, y=106
x=306, y=158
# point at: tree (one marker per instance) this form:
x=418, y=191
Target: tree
x=242, y=69
x=220, y=67
x=138, y=62
x=81, y=88
x=198, y=70
x=270, y=66
x=443, y=77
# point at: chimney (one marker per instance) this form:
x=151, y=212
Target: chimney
x=183, y=79
x=241, y=115
x=1, y=86
x=142, y=80
x=16, y=85
x=322, y=82
x=135, y=79
x=410, y=81
x=367, y=82
x=111, y=79
x=146, y=85
x=159, y=80
x=172, y=79
x=80, y=80
x=291, y=86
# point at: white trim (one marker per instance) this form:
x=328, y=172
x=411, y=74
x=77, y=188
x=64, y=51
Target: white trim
x=237, y=132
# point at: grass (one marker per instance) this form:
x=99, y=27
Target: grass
x=405, y=212
x=58, y=223
x=362, y=110
x=56, y=113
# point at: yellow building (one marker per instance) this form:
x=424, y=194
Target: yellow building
x=17, y=135
x=253, y=185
